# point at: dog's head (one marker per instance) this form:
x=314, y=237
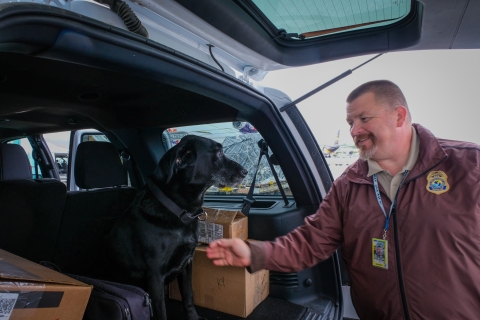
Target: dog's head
x=199, y=161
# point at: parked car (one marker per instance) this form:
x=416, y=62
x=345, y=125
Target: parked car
x=143, y=76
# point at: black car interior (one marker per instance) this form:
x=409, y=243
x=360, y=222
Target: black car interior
x=31, y=210
x=73, y=76
x=61, y=71
x=89, y=215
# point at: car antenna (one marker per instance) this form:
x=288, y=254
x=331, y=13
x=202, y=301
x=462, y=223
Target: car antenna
x=326, y=84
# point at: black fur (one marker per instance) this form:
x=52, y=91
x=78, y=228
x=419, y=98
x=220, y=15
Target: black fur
x=150, y=245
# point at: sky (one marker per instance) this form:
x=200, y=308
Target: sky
x=441, y=88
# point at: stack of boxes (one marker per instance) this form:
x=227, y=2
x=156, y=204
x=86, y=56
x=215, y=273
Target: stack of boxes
x=226, y=289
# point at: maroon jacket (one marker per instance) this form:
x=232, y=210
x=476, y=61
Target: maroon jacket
x=434, y=239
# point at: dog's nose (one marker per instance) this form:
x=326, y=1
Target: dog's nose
x=244, y=172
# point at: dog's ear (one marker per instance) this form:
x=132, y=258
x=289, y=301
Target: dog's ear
x=182, y=158
x=174, y=159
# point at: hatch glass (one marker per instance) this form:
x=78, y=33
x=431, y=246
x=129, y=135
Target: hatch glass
x=314, y=18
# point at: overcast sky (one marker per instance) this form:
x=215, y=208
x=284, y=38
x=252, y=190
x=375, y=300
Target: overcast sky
x=441, y=88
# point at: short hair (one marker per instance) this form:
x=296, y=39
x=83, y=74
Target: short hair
x=385, y=91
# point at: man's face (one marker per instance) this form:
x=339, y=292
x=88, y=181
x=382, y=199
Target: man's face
x=372, y=127
x=379, y=251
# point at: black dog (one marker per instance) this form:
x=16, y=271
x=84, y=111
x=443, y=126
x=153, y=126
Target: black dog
x=154, y=241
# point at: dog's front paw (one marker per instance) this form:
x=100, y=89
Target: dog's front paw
x=194, y=316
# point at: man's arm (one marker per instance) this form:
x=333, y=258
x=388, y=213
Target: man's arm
x=303, y=247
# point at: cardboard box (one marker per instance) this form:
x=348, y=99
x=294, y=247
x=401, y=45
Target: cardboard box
x=226, y=289
x=223, y=224
x=29, y=291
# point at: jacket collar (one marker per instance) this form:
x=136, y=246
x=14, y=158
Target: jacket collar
x=431, y=154
x=374, y=167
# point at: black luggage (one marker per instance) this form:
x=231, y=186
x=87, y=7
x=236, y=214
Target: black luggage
x=115, y=301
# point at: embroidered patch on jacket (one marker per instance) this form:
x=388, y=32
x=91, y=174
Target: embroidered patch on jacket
x=437, y=182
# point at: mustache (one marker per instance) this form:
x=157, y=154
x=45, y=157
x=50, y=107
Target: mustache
x=363, y=136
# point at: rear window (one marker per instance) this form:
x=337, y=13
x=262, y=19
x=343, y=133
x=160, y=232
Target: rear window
x=240, y=143
x=313, y=18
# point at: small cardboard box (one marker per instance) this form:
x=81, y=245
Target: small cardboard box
x=223, y=224
x=230, y=290
x=29, y=291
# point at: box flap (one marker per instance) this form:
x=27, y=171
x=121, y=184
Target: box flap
x=222, y=216
x=201, y=248
x=14, y=268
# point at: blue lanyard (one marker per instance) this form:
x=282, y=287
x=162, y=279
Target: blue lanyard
x=380, y=202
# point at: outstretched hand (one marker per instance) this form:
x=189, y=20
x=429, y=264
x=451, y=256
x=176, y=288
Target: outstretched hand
x=229, y=252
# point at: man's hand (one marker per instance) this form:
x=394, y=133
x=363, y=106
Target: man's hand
x=229, y=252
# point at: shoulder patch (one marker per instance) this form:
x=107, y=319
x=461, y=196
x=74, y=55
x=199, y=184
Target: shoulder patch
x=437, y=182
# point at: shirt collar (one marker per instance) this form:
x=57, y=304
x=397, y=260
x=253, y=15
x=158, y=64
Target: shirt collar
x=374, y=167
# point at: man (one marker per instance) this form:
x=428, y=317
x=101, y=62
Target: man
x=430, y=238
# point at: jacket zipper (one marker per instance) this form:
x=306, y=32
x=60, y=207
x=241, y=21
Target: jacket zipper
x=399, y=267
x=397, y=247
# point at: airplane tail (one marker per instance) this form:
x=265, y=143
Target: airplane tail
x=338, y=138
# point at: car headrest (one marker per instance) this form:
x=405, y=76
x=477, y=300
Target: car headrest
x=14, y=163
x=98, y=165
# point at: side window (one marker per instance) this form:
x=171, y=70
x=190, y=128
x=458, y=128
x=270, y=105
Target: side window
x=240, y=143
x=59, y=143
x=35, y=169
x=94, y=137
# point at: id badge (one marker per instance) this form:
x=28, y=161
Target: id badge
x=380, y=253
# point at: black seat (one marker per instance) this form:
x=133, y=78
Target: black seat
x=90, y=214
x=14, y=163
x=30, y=210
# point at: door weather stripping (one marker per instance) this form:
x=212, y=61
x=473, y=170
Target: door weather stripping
x=326, y=84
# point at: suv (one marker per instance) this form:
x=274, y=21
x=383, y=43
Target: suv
x=141, y=74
